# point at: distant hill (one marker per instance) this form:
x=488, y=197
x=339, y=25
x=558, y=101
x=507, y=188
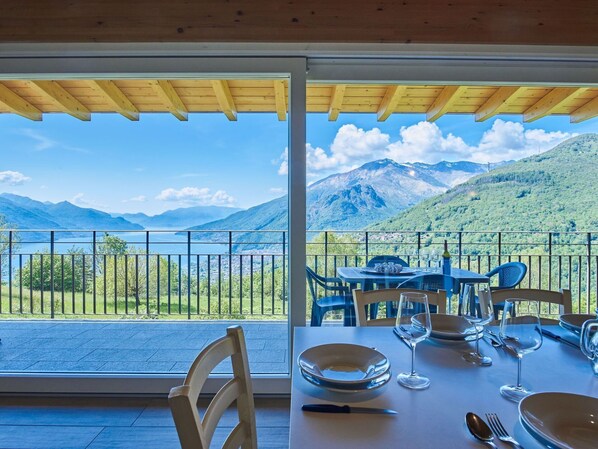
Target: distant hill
x=24, y=213
x=358, y=198
x=180, y=218
x=556, y=190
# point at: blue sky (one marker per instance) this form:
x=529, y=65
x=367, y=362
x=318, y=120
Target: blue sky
x=160, y=163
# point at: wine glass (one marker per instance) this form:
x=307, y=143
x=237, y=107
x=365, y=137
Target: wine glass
x=521, y=334
x=478, y=310
x=413, y=326
x=424, y=256
x=435, y=257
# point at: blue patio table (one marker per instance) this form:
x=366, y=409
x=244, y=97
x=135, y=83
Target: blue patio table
x=356, y=276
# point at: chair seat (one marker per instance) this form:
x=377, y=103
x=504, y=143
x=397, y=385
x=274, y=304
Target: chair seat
x=336, y=301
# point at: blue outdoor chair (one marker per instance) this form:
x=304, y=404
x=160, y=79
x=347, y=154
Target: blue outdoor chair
x=510, y=275
x=340, y=299
x=369, y=285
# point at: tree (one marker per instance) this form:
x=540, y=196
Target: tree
x=68, y=271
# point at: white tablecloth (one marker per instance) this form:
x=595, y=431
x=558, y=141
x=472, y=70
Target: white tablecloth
x=432, y=418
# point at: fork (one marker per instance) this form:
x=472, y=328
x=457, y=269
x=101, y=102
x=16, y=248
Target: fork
x=500, y=430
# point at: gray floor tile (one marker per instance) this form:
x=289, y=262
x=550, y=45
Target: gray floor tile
x=47, y=437
x=136, y=367
x=174, y=355
x=62, y=366
x=136, y=437
x=117, y=355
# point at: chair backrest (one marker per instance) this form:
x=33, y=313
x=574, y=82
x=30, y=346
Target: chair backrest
x=195, y=433
x=385, y=259
x=432, y=282
x=510, y=275
x=362, y=299
x=562, y=297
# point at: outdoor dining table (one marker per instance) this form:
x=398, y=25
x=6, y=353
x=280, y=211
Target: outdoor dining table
x=433, y=418
x=355, y=276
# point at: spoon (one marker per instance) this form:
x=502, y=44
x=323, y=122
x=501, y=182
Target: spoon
x=479, y=429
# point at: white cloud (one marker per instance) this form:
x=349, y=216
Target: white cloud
x=13, y=178
x=45, y=143
x=278, y=190
x=136, y=199
x=42, y=142
x=425, y=142
x=80, y=200
x=197, y=196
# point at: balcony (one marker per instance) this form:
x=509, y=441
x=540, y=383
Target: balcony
x=148, y=301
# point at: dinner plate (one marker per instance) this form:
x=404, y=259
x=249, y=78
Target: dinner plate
x=573, y=321
x=448, y=327
x=403, y=272
x=561, y=420
x=373, y=384
x=342, y=363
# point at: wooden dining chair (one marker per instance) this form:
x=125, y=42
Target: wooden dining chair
x=362, y=299
x=561, y=297
x=197, y=433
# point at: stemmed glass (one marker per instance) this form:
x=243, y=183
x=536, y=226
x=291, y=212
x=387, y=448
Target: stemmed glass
x=413, y=326
x=521, y=335
x=478, y=311
x=435, y=257
x=424, y=256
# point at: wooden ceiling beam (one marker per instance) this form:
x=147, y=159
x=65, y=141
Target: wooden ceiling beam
x=585, y=112
x=549, y=102
x=389, y=102
x=280, y=97
x=18, y=105
x=114, y=96
x=444, y=101
x=336, y=101
x=170, y=98
x=225, y=99
x=499, y=100
x=54, y=92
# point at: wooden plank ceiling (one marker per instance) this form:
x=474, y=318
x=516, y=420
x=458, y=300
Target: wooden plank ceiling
x=83, y=98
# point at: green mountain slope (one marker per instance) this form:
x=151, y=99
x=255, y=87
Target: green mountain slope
x=556, y=190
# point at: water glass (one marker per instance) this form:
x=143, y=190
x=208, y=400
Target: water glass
x=478, y=310
x=521, y=334
x=413, y=326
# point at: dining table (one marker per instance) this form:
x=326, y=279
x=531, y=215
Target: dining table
x=433, y=418
x=358, y=276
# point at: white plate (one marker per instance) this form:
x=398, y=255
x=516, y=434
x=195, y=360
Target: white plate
x=574, y=321
x=343, y=363
x=448, y=327
x=563, y=420
x=351, y=388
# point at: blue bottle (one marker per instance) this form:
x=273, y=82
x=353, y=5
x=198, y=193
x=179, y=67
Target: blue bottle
x=446, y=260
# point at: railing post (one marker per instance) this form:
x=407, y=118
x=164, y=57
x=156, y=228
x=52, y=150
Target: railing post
x=10, y=236
x=589, y=271
x=367, y=246
x=147, y=271
x=460, y=247
x=52, y=275
x=93, y=269
x=550, y=261
x=419, y=245
x=230, y=271
x=499, y=246
x=189, y=275
x=325, y=253
x=284, y=280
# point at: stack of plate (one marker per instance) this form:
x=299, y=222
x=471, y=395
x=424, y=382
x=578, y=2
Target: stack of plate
x=573, y=321
x=561, y=420
x=344, y=367
x=449, y=328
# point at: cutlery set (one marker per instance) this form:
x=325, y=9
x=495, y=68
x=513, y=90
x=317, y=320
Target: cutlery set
x=484, y=433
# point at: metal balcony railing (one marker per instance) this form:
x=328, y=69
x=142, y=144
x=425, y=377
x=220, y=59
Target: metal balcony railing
x=242, y=274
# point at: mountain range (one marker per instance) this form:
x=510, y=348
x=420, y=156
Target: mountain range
x=358, y=198
x=180, y=218
x=555, y=191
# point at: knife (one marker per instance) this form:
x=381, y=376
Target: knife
x=331, y=408
x=558, y=338
x=400, y=337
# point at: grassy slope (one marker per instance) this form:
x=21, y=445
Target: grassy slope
x=556, y=191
